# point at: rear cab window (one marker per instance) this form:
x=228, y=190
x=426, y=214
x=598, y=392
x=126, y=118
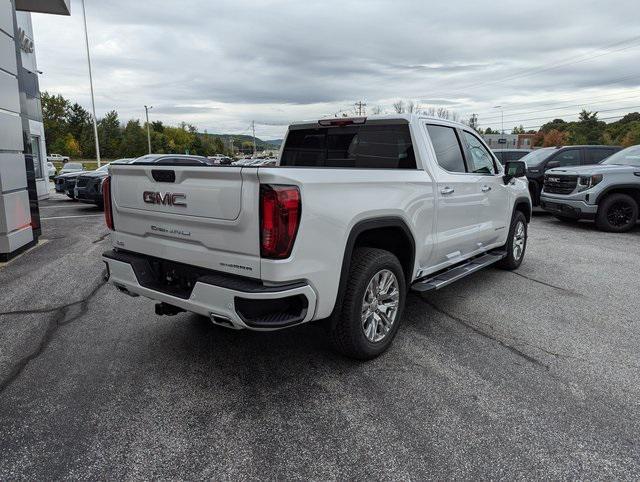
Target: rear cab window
x=365, y=146
x=447, y=148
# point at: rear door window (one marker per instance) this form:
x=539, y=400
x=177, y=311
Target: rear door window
x=596, y=156
x=368, y=146
x=447, y=146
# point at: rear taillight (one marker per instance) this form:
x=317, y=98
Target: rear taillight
x=280, y=209
x=106, y=200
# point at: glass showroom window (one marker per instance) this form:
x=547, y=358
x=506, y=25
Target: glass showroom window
x=37, y=158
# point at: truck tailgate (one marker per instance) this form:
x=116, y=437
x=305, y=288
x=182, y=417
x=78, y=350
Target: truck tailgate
x=204, y=216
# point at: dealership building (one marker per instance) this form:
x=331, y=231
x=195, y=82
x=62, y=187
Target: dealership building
x=23, y=171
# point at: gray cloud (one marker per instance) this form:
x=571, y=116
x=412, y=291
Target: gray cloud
x=221, y=64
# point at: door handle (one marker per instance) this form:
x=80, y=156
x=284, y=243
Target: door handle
x=486, y=188
x=447, y=190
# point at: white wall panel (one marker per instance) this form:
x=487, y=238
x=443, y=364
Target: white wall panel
x=9, y=94
x=12, y=172
x=10, y=132
x=8, y=54
x=14, y=211
x=6, y=17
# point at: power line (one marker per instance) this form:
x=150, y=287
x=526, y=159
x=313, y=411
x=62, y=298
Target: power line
x=616, y=117
x=570, y=99
x=546, y=68
x=495, y=118
x=569, y=114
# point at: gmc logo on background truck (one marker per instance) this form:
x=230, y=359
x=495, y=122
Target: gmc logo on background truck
x=165, y=199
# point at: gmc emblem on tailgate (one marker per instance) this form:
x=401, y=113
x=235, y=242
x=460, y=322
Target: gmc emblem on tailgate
x=165, y=199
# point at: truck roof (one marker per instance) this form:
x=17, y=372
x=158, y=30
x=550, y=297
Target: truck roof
x=409, y=118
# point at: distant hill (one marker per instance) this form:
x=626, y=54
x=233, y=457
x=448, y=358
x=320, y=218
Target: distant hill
x=239, y=139
x=275, y=142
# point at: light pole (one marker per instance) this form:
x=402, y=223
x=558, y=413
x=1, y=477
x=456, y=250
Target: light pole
x=93, y=101
x=501, y=116
x=146, y=110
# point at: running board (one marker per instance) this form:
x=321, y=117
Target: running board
x=454, y=274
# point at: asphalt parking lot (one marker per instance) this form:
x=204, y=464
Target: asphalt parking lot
x=532, y=374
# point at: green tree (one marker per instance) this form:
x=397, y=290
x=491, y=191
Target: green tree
x=555, y=124
x=110, y=135
x=588, y=129
x=55, y=112
x=134, y=140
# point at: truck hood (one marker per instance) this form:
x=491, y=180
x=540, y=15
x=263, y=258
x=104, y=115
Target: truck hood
x=95, y=174
x=593, y=169
x=69, y=174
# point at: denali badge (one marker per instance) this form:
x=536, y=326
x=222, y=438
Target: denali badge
x=166, y=199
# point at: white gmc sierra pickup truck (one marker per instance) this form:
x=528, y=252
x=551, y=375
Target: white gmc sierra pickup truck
x=357, y=212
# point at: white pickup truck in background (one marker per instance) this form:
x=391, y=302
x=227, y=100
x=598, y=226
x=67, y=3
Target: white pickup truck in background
x=357, y=212
x=57, y=158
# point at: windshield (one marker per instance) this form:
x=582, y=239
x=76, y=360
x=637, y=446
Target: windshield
x=73, y=165
x=537, y=157
x=627, y=157
x=103, y=168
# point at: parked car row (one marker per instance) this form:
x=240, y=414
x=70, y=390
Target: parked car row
x=84, y=185
x=608, y=192
x=541, y=160
x=257, y=162
x=599, y=183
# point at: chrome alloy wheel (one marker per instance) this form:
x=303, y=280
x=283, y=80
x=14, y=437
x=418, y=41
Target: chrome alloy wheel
x=519, y=240
x=380, y=305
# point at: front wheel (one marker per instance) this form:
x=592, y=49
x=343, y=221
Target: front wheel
x=516, y=242
x=618, y=213
x=367, y=322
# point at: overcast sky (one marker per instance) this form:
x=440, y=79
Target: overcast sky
x=221, y=64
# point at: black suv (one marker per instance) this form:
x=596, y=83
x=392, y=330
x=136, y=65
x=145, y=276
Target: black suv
x=541, y=160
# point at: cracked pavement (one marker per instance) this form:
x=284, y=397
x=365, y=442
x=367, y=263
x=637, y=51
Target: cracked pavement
x=503, y=375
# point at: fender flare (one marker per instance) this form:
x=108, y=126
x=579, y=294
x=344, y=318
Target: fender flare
x=359, y=228
x=613, y=187
x=523, y=200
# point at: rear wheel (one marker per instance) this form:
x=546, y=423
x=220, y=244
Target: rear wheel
x=516, y=242
x=368, y=320
x=617, y=213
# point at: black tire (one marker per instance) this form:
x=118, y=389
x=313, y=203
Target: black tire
x=618, y=213
x=513, y=261
x=346, y=331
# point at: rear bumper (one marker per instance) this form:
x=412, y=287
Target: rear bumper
x=228, y=300
x=576, y=209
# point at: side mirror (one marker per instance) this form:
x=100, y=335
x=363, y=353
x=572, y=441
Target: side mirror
x=552, y=164
x=513, y=169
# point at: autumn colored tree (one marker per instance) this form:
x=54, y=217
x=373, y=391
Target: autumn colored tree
x=554, y=138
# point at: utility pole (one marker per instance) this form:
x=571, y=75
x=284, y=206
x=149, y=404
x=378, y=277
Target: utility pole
x=360, y=108
x=253, y=128
x=146, y=110
x=502, y=117
x=93, y=102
